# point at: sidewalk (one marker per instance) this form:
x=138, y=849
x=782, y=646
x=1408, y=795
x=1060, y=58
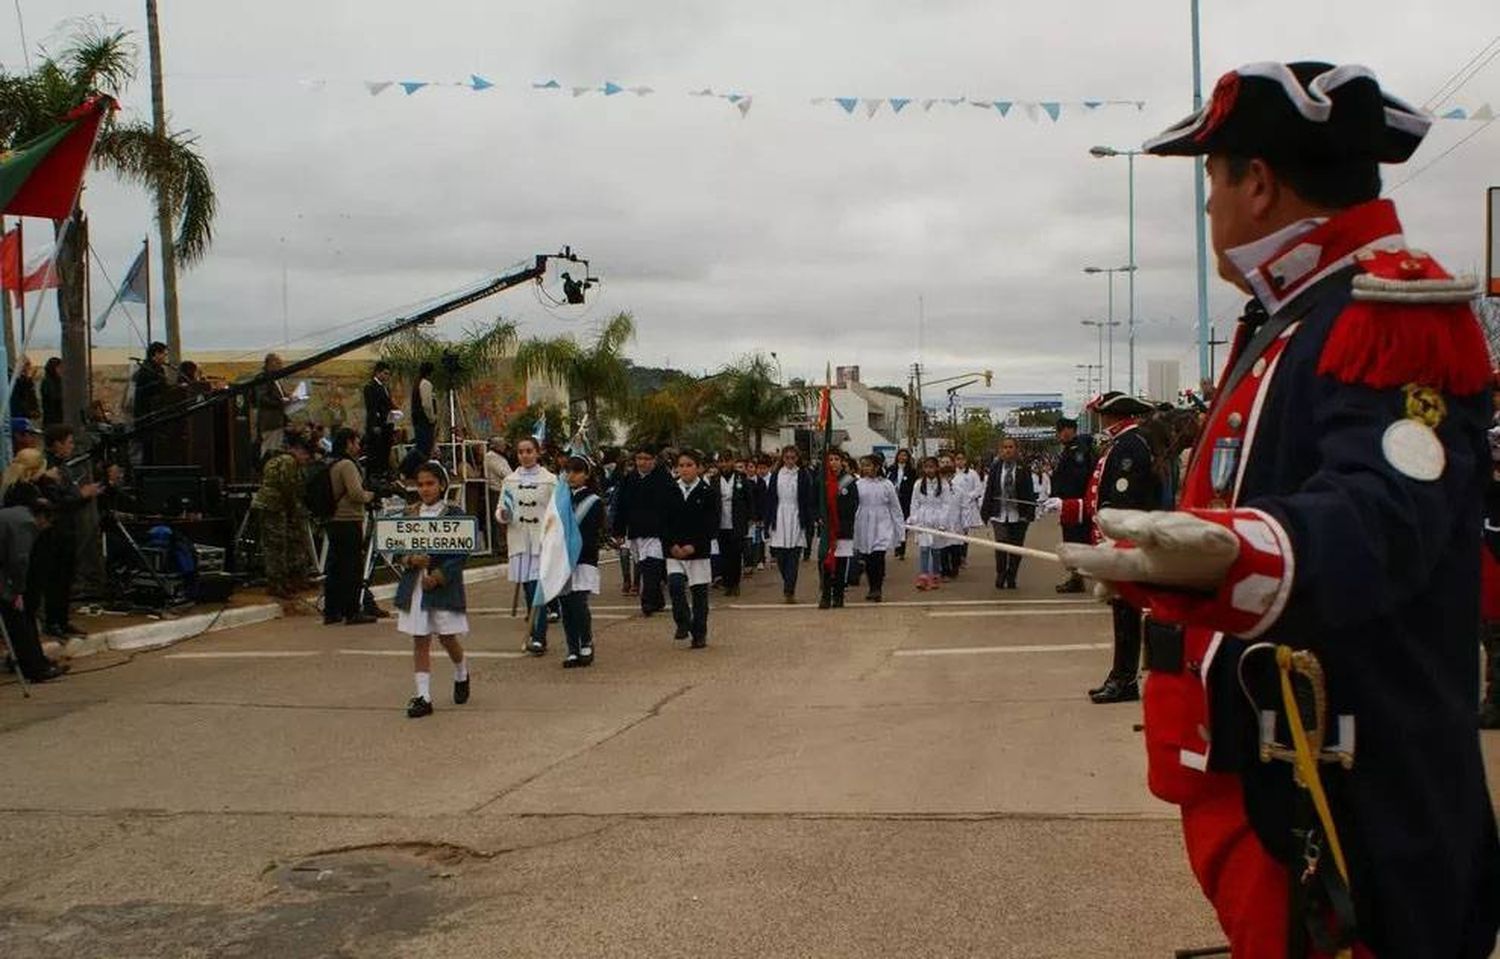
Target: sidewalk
x=170, y=630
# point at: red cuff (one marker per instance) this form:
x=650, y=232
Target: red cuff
x=1071, y=513
x=1255, y=589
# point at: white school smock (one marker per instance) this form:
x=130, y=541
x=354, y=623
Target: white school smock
x=878, y=523
x=788, y=533
x=937, y=508
x=525, y=492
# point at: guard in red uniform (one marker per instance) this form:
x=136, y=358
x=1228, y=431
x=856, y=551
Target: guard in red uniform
x=1122, y=478
x=1329, y=523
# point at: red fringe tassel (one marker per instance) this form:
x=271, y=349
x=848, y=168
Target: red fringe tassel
x=1388, y=345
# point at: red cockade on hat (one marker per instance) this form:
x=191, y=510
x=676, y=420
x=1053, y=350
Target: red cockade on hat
x=1220, y=105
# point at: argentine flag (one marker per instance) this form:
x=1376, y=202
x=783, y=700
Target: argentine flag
x=561, y=542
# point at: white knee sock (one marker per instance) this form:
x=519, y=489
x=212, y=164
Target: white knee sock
x=461, y=670
x=424, y=686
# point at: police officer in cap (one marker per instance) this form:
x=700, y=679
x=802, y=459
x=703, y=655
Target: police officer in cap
x=1322, y=571
x=1122, y=478
x=1070, y=479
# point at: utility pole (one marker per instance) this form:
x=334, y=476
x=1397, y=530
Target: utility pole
x=1213, y=364
x=1205, y=362
x=164, y=202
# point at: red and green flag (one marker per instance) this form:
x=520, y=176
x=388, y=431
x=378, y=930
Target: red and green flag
x=41, y=177
x=830, y=480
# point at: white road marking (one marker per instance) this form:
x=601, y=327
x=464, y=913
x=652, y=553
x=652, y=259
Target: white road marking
x=247, y=654
x=938, y=614
x=919, y=603
x=521, y=614
x=979, y=650
x=468, y=653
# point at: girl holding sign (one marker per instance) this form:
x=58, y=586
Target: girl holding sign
x=523, y=505
x=430, y=598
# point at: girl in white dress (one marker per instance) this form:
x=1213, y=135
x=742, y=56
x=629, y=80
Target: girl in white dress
x=934, y=504
x=878, y=524
x=790, y=512
x=523, y=506
x=430, y=598
x=970, y=487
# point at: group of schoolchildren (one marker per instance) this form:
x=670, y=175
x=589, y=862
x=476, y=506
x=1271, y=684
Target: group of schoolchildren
x=682, y=524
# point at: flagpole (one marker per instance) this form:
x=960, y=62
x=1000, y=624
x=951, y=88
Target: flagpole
x=146, y=265
x=6, y=312
x=88, y=328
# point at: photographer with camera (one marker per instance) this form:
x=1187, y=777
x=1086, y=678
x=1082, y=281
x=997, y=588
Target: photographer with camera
x=57, y=547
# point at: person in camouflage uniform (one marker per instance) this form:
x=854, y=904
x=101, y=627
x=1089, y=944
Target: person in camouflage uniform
x=282, y=514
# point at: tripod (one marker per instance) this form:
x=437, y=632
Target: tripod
x=10, y=650
x=118, y=572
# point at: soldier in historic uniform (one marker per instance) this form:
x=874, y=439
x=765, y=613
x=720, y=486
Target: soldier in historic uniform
x=1070, y=480
x=1323, y=565
x=279, y=506
x=1123, y=478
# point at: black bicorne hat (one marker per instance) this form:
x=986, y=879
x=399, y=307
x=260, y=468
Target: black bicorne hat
x=1066, y=423
x=1119, y=404
x=1303, y=111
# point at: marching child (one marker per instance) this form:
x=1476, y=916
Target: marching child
x=934, y=504
x=430, y=598
x=689, y=524
x=523, y=506
x=970, y=487
x=879, y=525
x=843, y=509
x=588, y=510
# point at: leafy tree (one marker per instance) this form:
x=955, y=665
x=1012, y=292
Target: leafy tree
x=752, y=402
x=457, y=365
x=102, y=59
x=596, y=374
x=523, y=424
x=675, y=413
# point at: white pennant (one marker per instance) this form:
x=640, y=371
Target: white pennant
x=1483, y=113
x=927, y=105
x=580, y=91
x=377, y=87
x=1031, y=113
x=872, y=106
x=744, y=106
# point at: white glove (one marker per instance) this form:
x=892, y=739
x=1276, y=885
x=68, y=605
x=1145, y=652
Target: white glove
x=1171, y=549
x=1051, y=505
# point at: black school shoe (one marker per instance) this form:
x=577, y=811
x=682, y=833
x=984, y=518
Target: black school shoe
x=1116, y=691
x=460, y=691
x=572, y=661
x=418, y=707
x=586, y=656
x=682, y=633
x=536, y=647
x=699, y=642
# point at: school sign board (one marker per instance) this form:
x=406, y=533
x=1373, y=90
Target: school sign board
x=421, y=534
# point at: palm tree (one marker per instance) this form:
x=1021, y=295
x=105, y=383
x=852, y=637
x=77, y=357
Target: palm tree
x=457, y=365
x=753, y=402
x=103, y=60
x=680, y=410
x=595, y=375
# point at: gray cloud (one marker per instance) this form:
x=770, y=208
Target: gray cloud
x=798, y=229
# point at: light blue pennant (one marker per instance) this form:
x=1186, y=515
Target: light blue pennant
x=848, y=103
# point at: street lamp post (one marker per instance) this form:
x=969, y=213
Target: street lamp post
x=1129, y=156
x=1110, y=370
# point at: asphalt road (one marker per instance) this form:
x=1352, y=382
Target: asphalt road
x=919, y=778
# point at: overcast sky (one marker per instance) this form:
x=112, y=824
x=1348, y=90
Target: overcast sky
x=796, y=229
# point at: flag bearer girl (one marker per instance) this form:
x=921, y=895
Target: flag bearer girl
x=430, y=598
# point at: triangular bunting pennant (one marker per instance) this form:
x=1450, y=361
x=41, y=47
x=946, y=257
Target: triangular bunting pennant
x=377, y=87
x=1093, y=104
x=953, y=101
x=1483, y=113
x=315, y=86
x=611, y=88
x=1003, y=106
x=705, y=92
x=580, y=91
x=848, y=103
x=1032, y=113
x=412, y=86
x=872, y=106
x=642, y=91
x=1140, y=105
x=477, y=82
x=734, y=97
x=899, y=103
x=981, y=104
x=744, y=106
x=818, y=101
x=927, y=105
x=1053, y=109
x=549, y=85
x=1457, y=113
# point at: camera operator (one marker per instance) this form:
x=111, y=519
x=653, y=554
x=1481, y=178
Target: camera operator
x=57, y=547
x=20, y=524
x=342, y=577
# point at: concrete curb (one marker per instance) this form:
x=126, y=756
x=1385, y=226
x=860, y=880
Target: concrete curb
x=168, y=632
